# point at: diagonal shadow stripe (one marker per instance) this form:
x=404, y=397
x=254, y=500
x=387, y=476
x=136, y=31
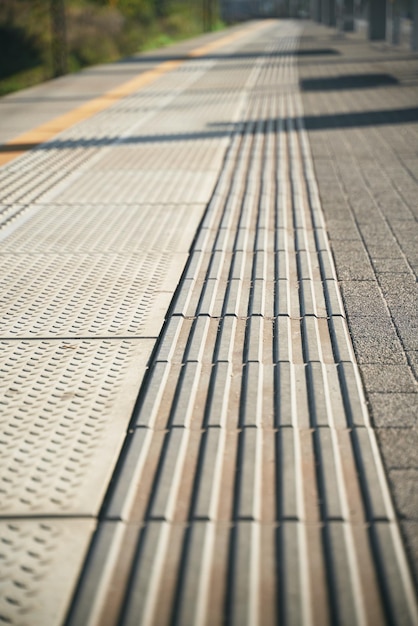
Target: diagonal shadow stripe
x=312, y=122
x=350, y=81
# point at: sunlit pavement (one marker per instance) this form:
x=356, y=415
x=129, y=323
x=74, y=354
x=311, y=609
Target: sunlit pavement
x=209, y=336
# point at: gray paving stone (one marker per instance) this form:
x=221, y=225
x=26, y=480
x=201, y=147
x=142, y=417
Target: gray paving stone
x=384, y=250
x=391, y=266
x=342, y=229
x=352, y=261
x=399, y=447
x=383, y=208
x=410, y=534
x=411, y=255
x=400, y=291
x=412, y=356
x=404, y=484
x=372, y=349
x=368, y=326
x=376, y=340
x=363, y=208
x=336, y=208
x=376, y=232
x=407, y=326
x=363, y=298
x=384, y=378
x=397, y=410
x=404, y=229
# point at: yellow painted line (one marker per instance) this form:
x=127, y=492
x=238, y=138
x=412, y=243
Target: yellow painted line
x=203, y=50
x=24, y=142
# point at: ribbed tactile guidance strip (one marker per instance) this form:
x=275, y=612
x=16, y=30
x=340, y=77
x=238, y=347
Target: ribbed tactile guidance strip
x=251, y=490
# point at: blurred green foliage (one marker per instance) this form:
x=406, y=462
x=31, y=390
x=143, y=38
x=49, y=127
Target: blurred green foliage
x=97, y=31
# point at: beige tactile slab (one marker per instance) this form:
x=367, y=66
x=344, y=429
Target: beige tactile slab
x=136, y=187
x=151, y=114
x=52, y=156
x=122, y=229
x=54, y=295
x=64, y=412
x=9, y=214
x=39, y=562
x=161, y=152
x=40, y=171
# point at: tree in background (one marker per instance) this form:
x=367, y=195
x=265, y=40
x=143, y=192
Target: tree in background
x=59, y=53
x=41, y=39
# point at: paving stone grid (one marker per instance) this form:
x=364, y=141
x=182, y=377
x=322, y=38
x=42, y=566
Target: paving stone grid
x=250, y=488
x=238, y=498
x=361, y=108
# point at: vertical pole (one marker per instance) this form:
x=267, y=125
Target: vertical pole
x=348, y=16
x=316, y=10
x=293, y=8
x=205, y=15
x=58, y=37
x=210, y=16
x=394, y=21
x=324, y=12
x=414, y=33
x=377, y=20
x=328, y=12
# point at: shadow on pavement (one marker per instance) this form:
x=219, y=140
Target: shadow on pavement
x=350, y=81
x=361, y=119
x=233, y=56
x=224, y=129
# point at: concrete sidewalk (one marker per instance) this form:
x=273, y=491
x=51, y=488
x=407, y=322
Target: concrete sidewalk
x=189, y=436
x=361, y=112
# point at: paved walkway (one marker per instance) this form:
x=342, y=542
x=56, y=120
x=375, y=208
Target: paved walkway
x=361, y=109
x=186, y=437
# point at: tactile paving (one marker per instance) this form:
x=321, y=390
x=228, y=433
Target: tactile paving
x=253, y=476
x=87, y=295
x=65, y=408
x=38, y=559
x=153, y=112
x=84, y=286
x=98, y=229
x=218, y=571
x=250, y=489
x=135, y=186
